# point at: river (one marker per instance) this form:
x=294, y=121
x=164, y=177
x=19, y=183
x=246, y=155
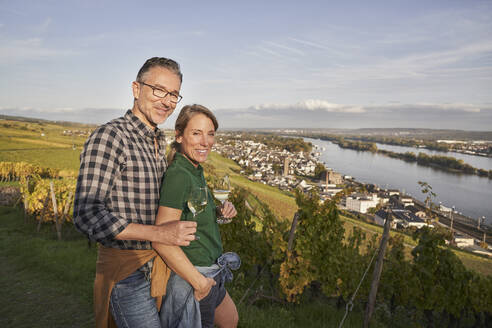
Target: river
x=470, y=194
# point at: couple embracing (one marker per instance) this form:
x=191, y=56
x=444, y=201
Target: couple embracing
x=159, y=264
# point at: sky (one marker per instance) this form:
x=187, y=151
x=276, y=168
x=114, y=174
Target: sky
x=256, y=64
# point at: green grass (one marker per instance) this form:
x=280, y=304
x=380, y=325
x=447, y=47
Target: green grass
x=52, y=150
x=476, y=263
x=282, y=204
x=318, y=314
x=62, y=159
x=48, y=283
x=44, y=282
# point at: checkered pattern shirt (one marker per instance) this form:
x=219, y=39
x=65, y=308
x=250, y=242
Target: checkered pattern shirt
x=119, y=181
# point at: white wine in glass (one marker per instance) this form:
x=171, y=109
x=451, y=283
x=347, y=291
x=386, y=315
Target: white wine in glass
x=197, y=202
x=221, y=192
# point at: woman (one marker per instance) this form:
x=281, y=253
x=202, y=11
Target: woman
x=195, y=135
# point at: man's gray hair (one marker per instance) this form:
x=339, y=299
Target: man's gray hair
x=161, y=62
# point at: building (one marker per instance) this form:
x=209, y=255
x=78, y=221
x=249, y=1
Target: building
x=361, y=203
x=286, y=167
x=380, y=219
x=407, y=219
x=406, y=200
x=463, y=240
x=392, y=192
x=333, y=178
x=401, y=218
x=421, y=214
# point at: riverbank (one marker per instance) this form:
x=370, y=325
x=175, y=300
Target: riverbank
x=469, y=194
x=445, y=163
x=469, y=147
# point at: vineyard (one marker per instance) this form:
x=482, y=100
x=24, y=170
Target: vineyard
x=311, y=258
x=315, y=263
x=45, y=196
x=319, y=257
x=15, y=171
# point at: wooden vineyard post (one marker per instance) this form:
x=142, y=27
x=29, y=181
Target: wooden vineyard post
x=378, y=268
x=67, y=207
x=43, y=212
x=55, y=211
x=26, y=203
x=292, y=232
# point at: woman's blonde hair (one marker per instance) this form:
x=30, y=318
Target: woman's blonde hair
x=185, y=115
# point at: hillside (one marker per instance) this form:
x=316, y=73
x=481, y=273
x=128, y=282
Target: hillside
x=44, y=143
x=57, y=145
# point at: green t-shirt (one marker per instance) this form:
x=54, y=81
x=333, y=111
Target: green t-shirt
x=180, y=178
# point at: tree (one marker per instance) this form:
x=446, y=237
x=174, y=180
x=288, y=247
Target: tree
x=426, y=189
x=319, y=170
x=442, y=278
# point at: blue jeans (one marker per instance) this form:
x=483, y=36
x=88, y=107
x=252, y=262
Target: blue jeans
x=131, y=304
x=180, y=309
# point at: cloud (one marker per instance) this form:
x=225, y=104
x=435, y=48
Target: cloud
x=283, y=47
x=311, y=44
x=333, y=49
x=470, y=108
x=323, y=114
x=312, y=105
x=395, y=107
x=272, y=52
x=42, y=27
x=306, y=114
x=28, y=49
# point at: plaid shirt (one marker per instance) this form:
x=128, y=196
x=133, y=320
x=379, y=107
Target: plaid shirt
x=119, y=181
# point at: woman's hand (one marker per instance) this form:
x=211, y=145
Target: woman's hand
x=204, y=288
x=227, y=210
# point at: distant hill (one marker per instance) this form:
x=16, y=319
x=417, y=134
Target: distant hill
x=415, y=133
x=39, y=120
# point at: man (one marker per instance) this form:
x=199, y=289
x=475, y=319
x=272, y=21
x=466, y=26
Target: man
x=117, y=198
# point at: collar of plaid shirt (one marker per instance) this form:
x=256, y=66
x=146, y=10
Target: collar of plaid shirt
x=143, y=129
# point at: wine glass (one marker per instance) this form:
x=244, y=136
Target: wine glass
x=221, y=192
x=197, y=200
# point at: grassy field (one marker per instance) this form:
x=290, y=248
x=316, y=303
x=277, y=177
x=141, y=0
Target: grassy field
x=44, y=283
x=282, y=204
x=41, y=144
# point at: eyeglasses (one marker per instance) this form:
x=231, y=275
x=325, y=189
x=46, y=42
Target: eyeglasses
x=162, y=93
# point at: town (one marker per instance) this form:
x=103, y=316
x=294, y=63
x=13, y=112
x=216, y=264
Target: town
x=478, y=148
